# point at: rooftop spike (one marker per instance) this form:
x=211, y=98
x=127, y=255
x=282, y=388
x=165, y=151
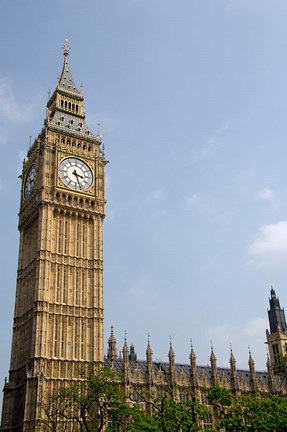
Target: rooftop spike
x=192, y=355
x=212, y=355
x=148, y=350
x=171, y=352
x=66, y=82
x=66, y=47
x=250, y=361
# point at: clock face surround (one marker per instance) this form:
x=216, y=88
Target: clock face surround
x=75, y=173
x=30, y=181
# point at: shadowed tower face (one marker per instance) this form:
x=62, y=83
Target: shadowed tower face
x=58, y=320
x=277, y=336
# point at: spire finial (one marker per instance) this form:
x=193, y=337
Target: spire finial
x=66, y=48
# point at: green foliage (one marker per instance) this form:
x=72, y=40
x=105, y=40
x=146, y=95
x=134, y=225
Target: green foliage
x=254, y=413
x=180, y=416
x=219, y=396
x=169, y=414
x=99, y=404
x=95, y=405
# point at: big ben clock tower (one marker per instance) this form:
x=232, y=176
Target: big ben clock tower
x=58, y=318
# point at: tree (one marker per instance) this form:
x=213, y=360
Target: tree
x=95, y=405
x=170, y=414
x=249, y=413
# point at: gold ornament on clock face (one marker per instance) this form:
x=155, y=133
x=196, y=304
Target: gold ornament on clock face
x=30, y=181
x=76, y=174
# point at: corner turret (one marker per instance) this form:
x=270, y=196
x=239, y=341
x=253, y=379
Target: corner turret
x=277, y=333
x=276, y=314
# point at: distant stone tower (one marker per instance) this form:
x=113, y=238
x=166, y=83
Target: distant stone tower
x=58, y=320
x=277, y=335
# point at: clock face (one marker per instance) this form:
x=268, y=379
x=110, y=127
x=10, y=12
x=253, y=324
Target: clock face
x=76, y=174
x=30, y=181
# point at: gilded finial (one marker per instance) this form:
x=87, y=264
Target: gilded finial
x=66, y=47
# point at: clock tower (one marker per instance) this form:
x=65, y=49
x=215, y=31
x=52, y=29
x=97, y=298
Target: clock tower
x=58, y=318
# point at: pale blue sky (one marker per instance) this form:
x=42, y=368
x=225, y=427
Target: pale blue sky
x=191, y=96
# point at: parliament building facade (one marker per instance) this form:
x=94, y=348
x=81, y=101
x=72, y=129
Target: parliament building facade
x=58, y=330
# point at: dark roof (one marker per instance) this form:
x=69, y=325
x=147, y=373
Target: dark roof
x=66, y=121
x=204, y=372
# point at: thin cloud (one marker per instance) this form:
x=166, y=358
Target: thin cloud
x=266, y=194
x=270, y=243
x=240, y=337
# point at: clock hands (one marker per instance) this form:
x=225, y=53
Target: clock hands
x=77, y=177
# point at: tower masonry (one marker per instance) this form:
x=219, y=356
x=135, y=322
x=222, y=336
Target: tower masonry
x=58, y=318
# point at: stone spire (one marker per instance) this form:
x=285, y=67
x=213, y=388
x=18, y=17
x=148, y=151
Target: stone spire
x=149, y=364
x=125, y=354
x=112, y=346
x=126, y=365
x=214, y=376
x=252, y=377
x=232, y=361
x=171, y=357
x=193, y=369
x=66, y=81
x=149, y=353
x=65, y=108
